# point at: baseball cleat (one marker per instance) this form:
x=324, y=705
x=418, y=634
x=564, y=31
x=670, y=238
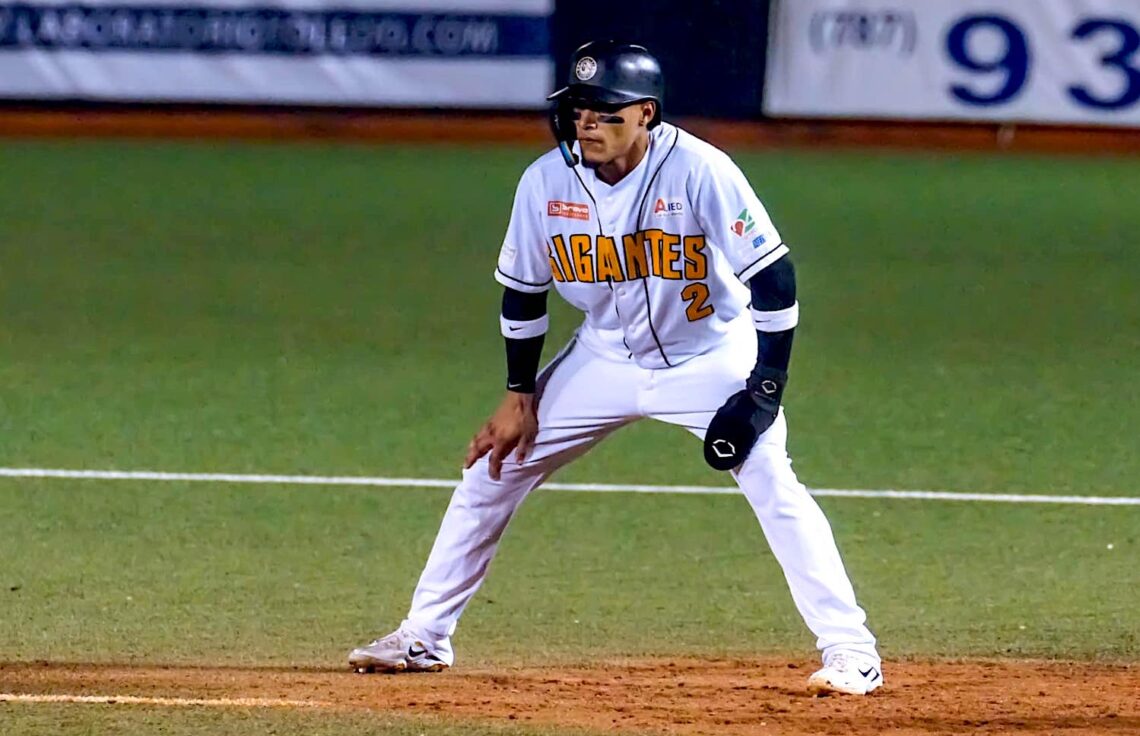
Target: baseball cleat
x=400, y=651
x=847, y=673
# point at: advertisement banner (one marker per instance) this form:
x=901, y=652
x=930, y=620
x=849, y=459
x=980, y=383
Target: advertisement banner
x=455, y=53
x=1050, y=61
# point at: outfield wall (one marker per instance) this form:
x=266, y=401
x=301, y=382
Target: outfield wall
x=756, y=72
x=1040, y=61
x=377, y=53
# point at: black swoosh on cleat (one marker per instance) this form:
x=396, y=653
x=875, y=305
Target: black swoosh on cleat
x=413, y=653
x=868, y=673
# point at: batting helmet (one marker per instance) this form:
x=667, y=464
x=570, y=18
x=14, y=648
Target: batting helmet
x=614, y=73
x=606, y=73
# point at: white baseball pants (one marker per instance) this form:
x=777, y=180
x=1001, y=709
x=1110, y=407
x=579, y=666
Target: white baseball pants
x=583, y=396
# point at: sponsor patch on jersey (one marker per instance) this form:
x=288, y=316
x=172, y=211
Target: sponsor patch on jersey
x=744, y=223
x=573, y=210
x=665, y=207
x=758, y=241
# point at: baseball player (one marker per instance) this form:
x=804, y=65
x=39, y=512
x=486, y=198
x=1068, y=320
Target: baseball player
x=689, y=298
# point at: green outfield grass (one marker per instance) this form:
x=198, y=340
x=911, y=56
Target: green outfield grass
x=287, y=576
x=969, y=323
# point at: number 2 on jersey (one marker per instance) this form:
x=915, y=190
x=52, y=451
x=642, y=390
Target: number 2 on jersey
x=696, y=294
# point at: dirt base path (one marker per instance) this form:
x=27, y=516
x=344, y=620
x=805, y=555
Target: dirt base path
x=675, y=696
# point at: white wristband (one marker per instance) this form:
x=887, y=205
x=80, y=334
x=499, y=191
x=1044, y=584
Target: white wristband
x=520, y=329
x=778, y=320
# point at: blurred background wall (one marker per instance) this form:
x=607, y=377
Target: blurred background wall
x=1037, y=62
x=712, y=53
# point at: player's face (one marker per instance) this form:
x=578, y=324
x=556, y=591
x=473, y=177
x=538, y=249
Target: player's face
x=607, y=132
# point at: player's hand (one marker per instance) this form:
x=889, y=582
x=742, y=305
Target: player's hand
x=513, y=426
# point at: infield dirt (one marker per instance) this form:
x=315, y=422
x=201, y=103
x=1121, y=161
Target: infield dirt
x=674, y=696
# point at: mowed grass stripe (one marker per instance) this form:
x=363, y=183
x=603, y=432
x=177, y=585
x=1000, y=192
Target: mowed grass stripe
x=334, y=480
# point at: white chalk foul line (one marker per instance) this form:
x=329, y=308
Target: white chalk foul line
x=338, y=480
x=180, y=702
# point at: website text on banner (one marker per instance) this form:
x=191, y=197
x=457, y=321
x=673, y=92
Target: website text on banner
x=449, y=53
x=1049, y=61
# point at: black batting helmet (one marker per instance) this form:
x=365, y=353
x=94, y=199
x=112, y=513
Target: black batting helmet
x=613, y=73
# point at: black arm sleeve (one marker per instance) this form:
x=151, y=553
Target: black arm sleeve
x=523, y=354
x=773, y=288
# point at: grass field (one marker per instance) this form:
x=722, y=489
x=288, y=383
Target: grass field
x=970, y=323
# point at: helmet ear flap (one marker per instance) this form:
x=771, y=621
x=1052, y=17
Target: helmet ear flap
x=562, y=122
x=565, y=132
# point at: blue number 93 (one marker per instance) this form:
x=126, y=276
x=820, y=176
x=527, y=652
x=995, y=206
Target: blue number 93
x=1013, y=61
x=1120, y=59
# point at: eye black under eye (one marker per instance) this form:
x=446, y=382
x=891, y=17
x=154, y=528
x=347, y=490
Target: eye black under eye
x=605, y=115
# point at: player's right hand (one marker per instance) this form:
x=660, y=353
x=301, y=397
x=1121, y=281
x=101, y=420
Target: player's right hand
x=513, y=426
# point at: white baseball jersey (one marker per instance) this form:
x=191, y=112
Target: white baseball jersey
x=657, y=262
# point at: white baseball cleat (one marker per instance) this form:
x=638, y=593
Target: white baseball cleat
x=848, y=673
x=401, y=651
